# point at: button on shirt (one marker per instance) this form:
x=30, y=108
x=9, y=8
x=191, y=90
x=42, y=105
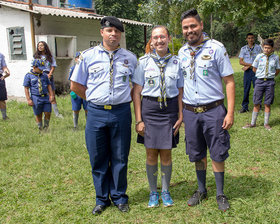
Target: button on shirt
x=249, y=54
x=31, y=81
x=147, y=75
x=2, y=63
x=93, y=71
x=211, y=65
x=260, y=64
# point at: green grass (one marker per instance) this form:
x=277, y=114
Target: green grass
x=46, y=178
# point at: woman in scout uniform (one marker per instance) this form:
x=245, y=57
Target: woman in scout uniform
x=159, y=115
x=43, y=52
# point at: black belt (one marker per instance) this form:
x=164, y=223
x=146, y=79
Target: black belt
x=157, y=99
x=266, y=79
x=203, y=108
x=106, y=107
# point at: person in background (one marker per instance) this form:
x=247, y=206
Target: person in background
x=246, y=57
x=205, y=64
x=149, y=47
x=76, y=100
x=267, y=67
x=38, y=93
x=43, y=52
x=4, y=73
x=159, y=82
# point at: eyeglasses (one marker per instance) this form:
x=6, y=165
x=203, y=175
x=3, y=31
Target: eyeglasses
x=159, y=36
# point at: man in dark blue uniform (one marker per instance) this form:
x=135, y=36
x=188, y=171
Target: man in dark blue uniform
x=102, y=78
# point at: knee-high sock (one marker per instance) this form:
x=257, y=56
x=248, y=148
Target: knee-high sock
x=201, y=180
x=75, y=119
x=166, y=172
x=266, y=117
x=4, y=113
x=55, y=109
x=219, y=177
x=152, y=173
x=254, y=117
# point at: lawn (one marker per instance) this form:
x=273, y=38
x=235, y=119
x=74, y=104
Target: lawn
x=46, y=178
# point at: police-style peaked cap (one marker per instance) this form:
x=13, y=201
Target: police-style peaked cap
x=112, y=21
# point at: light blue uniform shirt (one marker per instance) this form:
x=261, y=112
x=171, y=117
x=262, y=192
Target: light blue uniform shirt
x=211, y=64
x=248, y=54
x=48, y=65
x=260, y=64
x=93, y=71
x=147, y=75
x=2, y=63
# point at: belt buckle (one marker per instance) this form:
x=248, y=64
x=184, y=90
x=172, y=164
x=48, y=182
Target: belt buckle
x=159, y=99
x=42, y=95
x=108, y=107
x=265, y=79
x=200, y=109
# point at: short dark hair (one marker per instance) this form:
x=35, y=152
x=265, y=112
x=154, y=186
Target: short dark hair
x=191, y=13
x=160, y=26
x=268, y=42
x=249, y=34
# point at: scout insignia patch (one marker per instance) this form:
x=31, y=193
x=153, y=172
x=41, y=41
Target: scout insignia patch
x=151, y=82
x=206, y=57
x=107, y=23
x=211, y=51
x=185, y=74
x=225, y=53
x=124, y=78
x=126, y=61
x=175, y=62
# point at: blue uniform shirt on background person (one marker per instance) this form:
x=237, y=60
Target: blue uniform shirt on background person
x=248, y=54
x=2, y=63
x=93, y=72
x=31, y=81
x=147, y=74
x=260, y=63
x=211, y=64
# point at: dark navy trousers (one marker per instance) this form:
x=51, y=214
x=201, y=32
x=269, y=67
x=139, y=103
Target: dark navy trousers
x=108, y=137
x=249, y=76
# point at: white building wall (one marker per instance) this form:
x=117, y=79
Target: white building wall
x=18, y=68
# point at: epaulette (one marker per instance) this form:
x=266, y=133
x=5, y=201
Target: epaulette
x=143, y=57
x=217, y=42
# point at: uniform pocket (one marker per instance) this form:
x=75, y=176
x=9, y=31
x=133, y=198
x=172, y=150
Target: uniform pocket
x=224, y=139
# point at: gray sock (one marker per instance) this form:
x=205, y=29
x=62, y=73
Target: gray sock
x=219, y=177
x=166, y=172
x=152, y=173
x=4, y=113
x=201, y=180
x=55, y=109
x=46, y=123
x=86, y=115
x=40, y=125
x=254, y=117
x=266, y=117
x=75, y=119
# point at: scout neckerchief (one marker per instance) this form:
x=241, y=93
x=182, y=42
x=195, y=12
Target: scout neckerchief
x=162, y=85
x=250, y=50
x=111, y=56
x=40, y=87
x=267, y=63
x=194, y=51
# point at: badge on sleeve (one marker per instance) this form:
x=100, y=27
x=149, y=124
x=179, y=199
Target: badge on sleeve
x=126, y=61
x=124, y=78
x=225, y=53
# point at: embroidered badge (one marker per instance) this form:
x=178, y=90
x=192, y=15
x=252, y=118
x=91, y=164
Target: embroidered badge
x=225, y=53
x=185, y=59
x=107, y=23
x=205, y=72
x=185, y=74
x=126, y=61
x=151, y=82
x=175, y=62
x=206, y=57
x=124, y=78
x=211, y=51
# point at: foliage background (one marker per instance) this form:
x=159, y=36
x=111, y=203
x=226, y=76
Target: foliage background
x=231, y=19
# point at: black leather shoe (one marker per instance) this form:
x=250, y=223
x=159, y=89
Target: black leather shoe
x=123, y=207
x=98, y=209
